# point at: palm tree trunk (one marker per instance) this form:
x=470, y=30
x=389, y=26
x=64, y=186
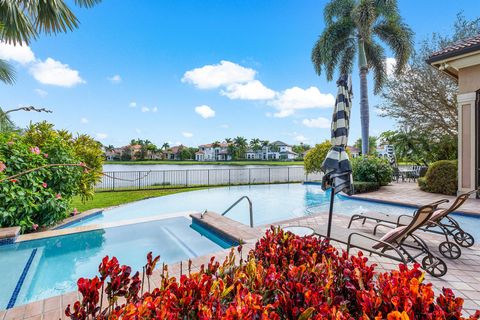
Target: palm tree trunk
x=364, y=109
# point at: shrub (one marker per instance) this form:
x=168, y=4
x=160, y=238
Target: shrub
x=441, y=178
x=42, y=197
x=314, y=158
x=284, y=277
x=372, y=169
x=362, y=187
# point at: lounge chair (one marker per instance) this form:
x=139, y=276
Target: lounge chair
x=397, y=244
x=440, y=223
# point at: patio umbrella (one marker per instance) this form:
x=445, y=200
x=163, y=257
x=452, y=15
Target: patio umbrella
x=336, y=166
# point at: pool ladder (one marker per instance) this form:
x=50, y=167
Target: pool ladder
x=250, y=209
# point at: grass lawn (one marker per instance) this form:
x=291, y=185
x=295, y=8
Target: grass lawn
x=231, y=163
x=108, y=199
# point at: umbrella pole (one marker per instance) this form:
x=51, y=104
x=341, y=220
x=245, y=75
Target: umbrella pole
x=330, y=212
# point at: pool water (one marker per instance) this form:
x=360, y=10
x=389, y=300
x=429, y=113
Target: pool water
x=271, y=203
x=56, y=263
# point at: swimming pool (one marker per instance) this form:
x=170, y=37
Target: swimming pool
x=271, y=203
x=38, y=269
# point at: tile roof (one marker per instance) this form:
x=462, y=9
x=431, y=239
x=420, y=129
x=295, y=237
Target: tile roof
x=456, y=49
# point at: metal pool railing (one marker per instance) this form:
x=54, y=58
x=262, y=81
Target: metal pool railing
x=144, y=180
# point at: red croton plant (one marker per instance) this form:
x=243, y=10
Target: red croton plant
x=284, y=277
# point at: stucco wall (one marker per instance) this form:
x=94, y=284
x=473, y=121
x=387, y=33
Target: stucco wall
x=469, y=79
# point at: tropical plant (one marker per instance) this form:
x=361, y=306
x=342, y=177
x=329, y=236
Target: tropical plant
x=41, y=170
x=241, y=147
x=6, y=124
x=314, y=158
x=284, y=277
x=441, y=177
x=421, y=147
x=23, y=20
x=353, y=27
x=165, y=146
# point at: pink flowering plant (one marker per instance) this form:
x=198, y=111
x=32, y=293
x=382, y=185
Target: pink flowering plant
x=43, y=197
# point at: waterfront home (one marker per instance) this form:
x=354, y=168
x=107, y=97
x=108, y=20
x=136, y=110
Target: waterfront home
x=213, y=152
x=277, y=150
x=173, y=153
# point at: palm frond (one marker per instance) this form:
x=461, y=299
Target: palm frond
x=364, y=15
x=87, y=3
x=387, y=9
x=331, y=44
x=399, y=37
x=17, y=25
x=337, y=9
x=348, y=57
x=7, y=74
x=52, y=16
x=376, y=62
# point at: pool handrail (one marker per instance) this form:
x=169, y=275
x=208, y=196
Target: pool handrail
x=249, y=207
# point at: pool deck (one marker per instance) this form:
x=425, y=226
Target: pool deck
x=408, y=193
x=463, y=274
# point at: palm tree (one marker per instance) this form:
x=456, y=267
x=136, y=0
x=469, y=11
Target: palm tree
x=241, y=144
x=228, y=140
x=255, y=144
x=24, y=20
x=165, y=146
x=6, y=125
x=353, y=27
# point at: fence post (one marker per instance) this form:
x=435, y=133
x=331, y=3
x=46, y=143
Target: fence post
x=186, y=178
x=139, y=173
x=229, y=179
x=113, y=189
x=269, y=175
x=288, y=174
x=249, y=173
x=163, y=180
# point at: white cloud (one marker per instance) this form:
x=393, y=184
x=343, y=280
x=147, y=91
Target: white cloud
x=55, y=73
x=205, y=111
x=41, y=93
x=217, y=75
x=132, y=104
x=319, y=122
x=115, y=79
x=187, y=134
x=292, y=99
x=84, y=120
x=154, y=109
x=17, y=53
x=300, y=138
x=101, y=136
x=390, y=64
x=252, y=90
x=145, y=109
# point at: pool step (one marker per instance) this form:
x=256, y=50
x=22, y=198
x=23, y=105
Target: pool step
x=226, y=227
x=8, y=235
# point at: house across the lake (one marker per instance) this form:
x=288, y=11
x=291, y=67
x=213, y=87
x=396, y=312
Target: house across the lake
x=173, y=153
x=277, y=150
x=213, y=152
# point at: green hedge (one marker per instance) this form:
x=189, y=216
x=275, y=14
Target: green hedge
x=372, y=169
x=441, y=178
x=362, y=187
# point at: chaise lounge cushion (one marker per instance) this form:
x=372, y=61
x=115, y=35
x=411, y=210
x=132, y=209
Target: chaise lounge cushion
x=389, y=236
x=437, y=214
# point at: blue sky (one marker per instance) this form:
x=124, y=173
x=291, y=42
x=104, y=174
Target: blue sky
x=193, y=72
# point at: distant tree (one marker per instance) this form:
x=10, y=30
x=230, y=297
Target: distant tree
x=353, y=27
x=372, y=144
x=22, y=21
x=422, y=99
x=109, y=147
x=165, y=146
x=255, y=144
x=228, y=140
x=241, y=144
x=300, y=148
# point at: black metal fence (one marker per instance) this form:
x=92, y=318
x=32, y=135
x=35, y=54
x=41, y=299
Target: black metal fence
x=143, y=180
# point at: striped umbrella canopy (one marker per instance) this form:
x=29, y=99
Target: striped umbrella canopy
x=336, y=166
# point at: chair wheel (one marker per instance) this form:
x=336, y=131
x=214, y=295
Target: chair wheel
x=450, y=250
x=464, y=239
x=434, y=266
